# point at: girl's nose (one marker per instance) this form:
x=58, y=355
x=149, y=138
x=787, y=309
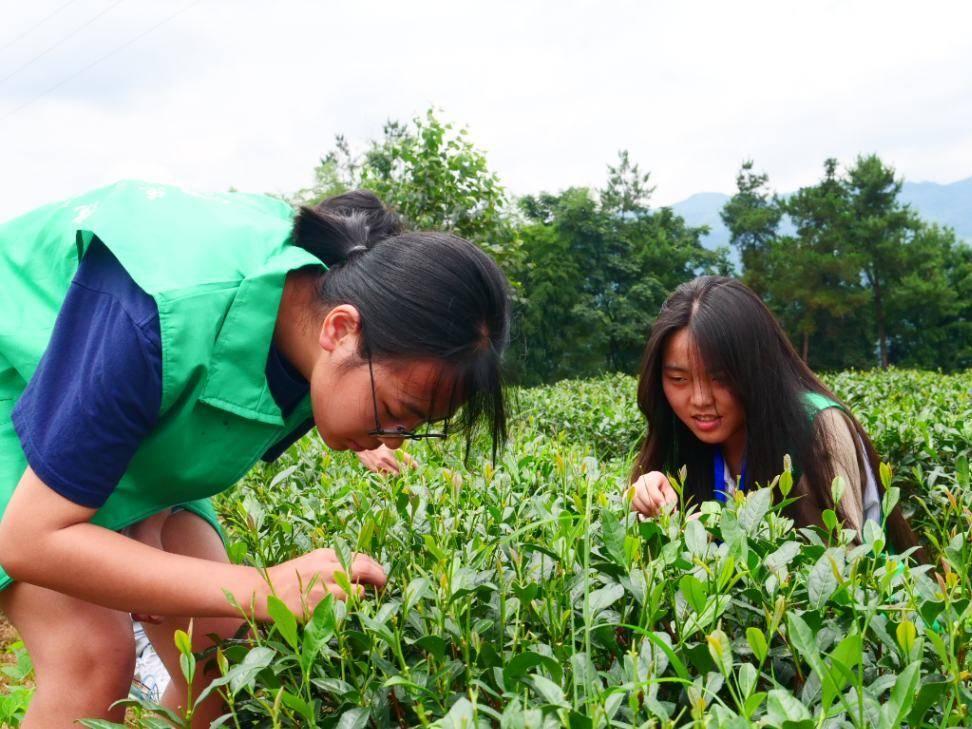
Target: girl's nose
x=701, y=393
x=391, y=442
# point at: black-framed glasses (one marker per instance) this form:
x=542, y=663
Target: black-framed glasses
x=400, y=431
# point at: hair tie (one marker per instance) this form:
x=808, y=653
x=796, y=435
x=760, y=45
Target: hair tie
x=356, y=249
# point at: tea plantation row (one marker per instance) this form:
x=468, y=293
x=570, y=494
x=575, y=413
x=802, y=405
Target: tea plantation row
x=527, y=595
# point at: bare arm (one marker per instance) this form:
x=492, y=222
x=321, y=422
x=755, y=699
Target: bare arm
x=48, y=540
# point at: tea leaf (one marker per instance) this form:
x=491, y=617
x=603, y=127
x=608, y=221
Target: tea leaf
x=694, y=592
x=613, y=534
x=782, y=706
x=551, y=692
x=906, y=633
x=244, y=674
x=822, y=582
x=182, y=642
x=782, y=556
x=283, y=620
x=415, y=591
x=605, y=597
x=756, y=507
x=356, y=718
x=696, y=538
x=894, y=712
x=721, y=651
x=747, y=677
x=757, y=643
x=837, y=488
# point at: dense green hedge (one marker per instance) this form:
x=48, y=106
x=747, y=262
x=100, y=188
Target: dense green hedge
x=527, y=595
x=919, y=421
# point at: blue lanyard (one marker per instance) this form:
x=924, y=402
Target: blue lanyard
x=719, y=474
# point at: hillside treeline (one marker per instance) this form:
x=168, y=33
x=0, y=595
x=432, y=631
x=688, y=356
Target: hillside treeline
x=856, y=277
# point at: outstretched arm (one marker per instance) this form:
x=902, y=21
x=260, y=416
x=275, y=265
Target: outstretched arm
x=47, y=540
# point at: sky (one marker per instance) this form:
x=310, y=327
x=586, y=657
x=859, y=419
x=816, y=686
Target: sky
x=218, y=93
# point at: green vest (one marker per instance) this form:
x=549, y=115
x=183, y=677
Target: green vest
x=816, y=402
x=215, y=264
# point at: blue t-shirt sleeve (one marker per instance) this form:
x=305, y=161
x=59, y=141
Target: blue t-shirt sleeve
x=97, y=390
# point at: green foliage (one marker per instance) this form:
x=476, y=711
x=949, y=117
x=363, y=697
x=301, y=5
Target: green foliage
x=431, y=173
x=753, y=217
x=595, y=268
x=17, y=690
x=919, y=421
x=930, y=309
x=862, y=274
x=527, y=594
x=878, y=230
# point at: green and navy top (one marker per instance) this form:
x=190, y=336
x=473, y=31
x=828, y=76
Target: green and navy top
x=215, y=266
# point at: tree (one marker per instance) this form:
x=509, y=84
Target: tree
x=801, y=277
x=879, y=230
x=597, y=267
x=627, y=191
x=862, y=272
x=813, y=269
x=752, y=216
x=431, y=174
x=929, y=309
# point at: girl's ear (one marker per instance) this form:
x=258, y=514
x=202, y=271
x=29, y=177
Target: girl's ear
x=341, y=329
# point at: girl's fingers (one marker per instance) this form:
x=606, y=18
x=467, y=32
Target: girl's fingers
x=367, y=571
x=668, y=493
x=340, y=594
x=642, y=504
x=654, y=493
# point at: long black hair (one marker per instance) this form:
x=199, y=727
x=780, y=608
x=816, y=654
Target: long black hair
x=420, y=295
x=738, y=336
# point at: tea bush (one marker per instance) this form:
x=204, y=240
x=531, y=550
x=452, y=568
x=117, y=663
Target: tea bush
x=528, y=595
x=919, y=421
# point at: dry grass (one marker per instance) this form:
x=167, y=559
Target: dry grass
x=7, y=636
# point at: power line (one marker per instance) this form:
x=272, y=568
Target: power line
x=35, y=26
x=94, y=63
x=57, y=43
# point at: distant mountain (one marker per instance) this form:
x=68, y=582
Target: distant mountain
x=949, y=205
x=703, y=208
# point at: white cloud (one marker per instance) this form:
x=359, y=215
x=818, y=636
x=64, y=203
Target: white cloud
x=250, y=94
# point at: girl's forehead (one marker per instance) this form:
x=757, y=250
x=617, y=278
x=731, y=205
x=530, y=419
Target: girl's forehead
x=681, y=350
x=420, y=386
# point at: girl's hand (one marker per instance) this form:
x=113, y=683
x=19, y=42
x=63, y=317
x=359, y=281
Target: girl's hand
x=652, y=492
x=290, y=580
x=382, y=460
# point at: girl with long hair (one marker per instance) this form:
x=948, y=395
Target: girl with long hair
x=727, y=396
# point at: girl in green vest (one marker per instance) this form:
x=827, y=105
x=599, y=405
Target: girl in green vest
x=726, y=395
x=155, y=344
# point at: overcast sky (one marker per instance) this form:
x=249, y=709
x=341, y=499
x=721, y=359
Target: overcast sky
x=220, y=93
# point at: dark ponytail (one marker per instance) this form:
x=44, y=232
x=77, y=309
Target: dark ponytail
x=344, y=223
x=420, y=295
